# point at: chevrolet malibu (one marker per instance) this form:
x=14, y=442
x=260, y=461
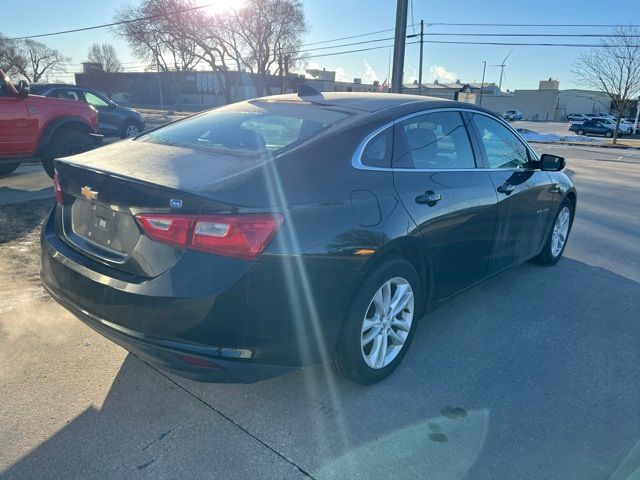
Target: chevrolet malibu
x=290, y=230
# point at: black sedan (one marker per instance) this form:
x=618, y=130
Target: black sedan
x=113, y=119
x=290, y=230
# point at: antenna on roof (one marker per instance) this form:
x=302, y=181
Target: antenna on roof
x=307, y=91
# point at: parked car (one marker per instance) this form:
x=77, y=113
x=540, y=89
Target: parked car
x=625, y=128
x=577, y=117
x=512, y=115
x=45, y=128
x=595, y=126
x=267, y=234
x=114, y=120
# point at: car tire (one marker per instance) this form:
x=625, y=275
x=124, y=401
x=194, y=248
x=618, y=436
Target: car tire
x=131, y=128
x=356, y=359
x=65, y=143
x=608, y=134
x=580, y=131
x=7, y=168
x=551, y=252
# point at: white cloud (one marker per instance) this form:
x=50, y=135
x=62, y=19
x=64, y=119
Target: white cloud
x=340, y=75
x=410, y=74
x=369, y=75
x=441, y=74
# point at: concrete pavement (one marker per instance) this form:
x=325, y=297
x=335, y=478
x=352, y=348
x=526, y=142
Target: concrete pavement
x=532, y=374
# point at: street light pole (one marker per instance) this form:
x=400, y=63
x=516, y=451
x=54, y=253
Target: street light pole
x=484, y=68
x=421, y=48
x=398, y=46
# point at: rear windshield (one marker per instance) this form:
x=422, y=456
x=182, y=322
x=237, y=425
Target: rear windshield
x=248, y=128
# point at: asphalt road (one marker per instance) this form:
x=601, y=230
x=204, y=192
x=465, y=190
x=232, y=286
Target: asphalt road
x=532, y=374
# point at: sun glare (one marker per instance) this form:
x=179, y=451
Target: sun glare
x=216, y=7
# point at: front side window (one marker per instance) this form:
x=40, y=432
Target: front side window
x=433, y=141
x=502, y=147
x=94, y=100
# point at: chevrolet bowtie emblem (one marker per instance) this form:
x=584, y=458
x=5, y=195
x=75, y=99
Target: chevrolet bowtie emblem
x=89, y=194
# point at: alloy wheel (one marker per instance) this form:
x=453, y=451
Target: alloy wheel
x=387, y=323
x=132, y=130
x=560, y=231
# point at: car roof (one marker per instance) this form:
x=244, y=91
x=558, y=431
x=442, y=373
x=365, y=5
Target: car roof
x=53, y=85
x=375, y=105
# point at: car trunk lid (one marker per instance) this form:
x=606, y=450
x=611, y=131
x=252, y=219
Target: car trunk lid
x=104, y=191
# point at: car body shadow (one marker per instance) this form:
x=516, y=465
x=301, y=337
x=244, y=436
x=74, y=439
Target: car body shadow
x=532, y=374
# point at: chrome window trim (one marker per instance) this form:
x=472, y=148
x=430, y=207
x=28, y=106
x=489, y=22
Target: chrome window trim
x=356, y=159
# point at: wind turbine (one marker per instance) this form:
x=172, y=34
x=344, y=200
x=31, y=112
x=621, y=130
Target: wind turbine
x=502, y=65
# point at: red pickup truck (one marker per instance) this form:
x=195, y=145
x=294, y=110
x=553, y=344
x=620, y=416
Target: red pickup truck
x=43, y=127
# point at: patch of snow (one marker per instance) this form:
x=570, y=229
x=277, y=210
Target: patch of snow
x=532, y=136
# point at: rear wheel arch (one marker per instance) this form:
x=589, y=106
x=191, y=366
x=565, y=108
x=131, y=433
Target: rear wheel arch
x=414, y=252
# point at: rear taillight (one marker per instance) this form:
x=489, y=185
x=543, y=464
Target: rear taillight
x=241, y=236
x=57, y=188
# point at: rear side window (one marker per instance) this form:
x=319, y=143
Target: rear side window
x=377, y=152
x=433, y=141
x=248, y=129
x=502, y=147
x=66, y=94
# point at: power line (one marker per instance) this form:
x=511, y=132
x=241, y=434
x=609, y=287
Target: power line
x=350, y=37
x=578, y=45
x=596, y=35
x=577, y=25
x=113, y=24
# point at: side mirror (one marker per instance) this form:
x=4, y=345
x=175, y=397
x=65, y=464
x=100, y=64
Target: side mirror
x=551, y=163
x=23, y=88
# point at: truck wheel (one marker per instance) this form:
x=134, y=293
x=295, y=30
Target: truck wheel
x=7, y=168
x=65, y=144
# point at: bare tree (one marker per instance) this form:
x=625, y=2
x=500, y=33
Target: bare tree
x=104, y=55
x=8, y=56
x=159, y=40
x=271, y=34
x=614, y=68
x=105, y=77
x=33, y=60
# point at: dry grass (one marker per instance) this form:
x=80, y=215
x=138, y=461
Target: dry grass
x=20, y=251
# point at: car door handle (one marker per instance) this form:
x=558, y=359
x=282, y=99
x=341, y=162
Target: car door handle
x=506, y=188
x=429, y=197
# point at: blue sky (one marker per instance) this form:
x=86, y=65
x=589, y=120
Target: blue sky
x=330, y=19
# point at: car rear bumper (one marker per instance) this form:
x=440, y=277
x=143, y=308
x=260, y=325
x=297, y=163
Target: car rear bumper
x=241, y=326
x=197, y=362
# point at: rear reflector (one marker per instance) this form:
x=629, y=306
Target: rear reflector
x=197, y=361
x=241, y=236
x=57, y=188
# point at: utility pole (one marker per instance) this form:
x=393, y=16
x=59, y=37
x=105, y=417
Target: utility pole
x=484, y=68
x=635, y=124
x=160, y=85
x=421, y=49
x=398, y=45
